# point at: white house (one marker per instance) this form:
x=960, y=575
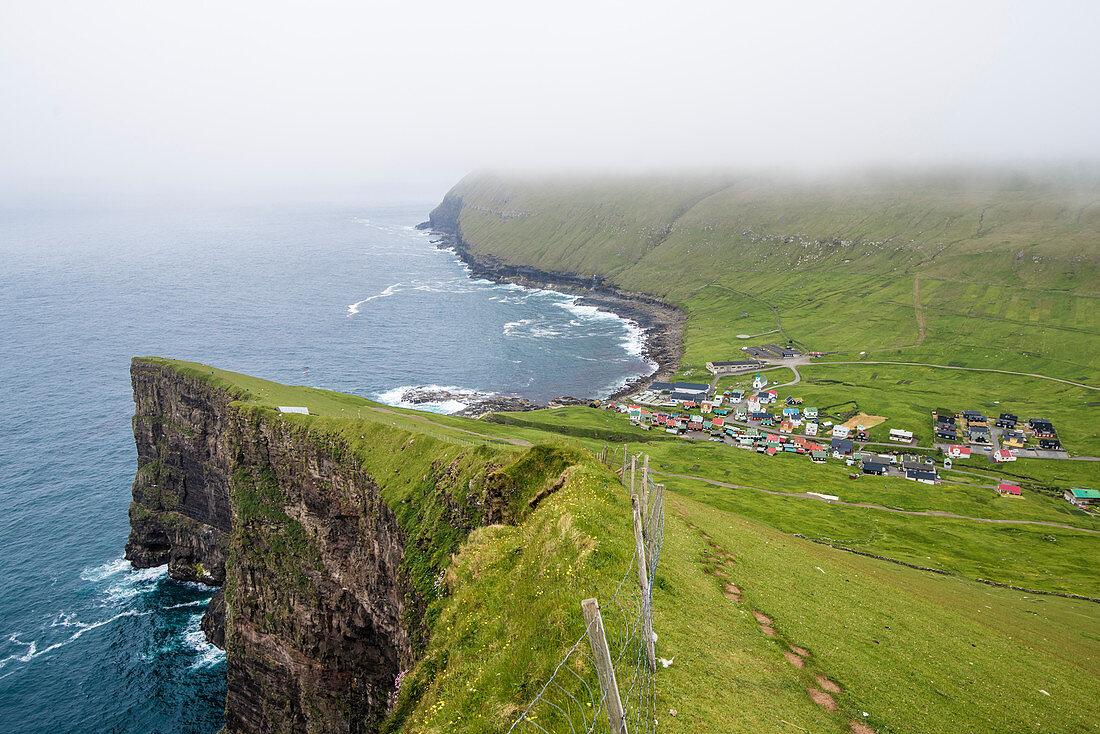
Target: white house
x=840, y=431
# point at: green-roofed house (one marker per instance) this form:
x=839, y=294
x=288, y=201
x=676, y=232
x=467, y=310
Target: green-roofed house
x=810, y=413
x=1083, y=498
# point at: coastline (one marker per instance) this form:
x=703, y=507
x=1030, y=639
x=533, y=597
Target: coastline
x=662, y=325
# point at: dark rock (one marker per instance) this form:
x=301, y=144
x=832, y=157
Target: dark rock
x=213, y=621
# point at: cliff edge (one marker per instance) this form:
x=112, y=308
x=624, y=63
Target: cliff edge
x=330, y=536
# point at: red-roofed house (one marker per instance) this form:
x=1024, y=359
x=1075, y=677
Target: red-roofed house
x=1010, y=489
x=1003, y=455
x=958, y=452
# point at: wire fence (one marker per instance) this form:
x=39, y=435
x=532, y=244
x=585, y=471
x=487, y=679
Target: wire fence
x=578, y=696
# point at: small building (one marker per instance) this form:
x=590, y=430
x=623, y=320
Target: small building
x=736, y=396
x=1002, y=456
x=978, y=434
x=1006, y=420
x=810, y=413
x=841, y=447
x=759, y=382
x=1083, y=498
x=1014, y=439
x=921, y=475
x=896, y=434
x=1011, y=490
x=874, y=467
x=840, y=431
x=706, y=407
x=790, y=412
x=811, y=429
x=818, y=457
x=1050, y=444
x=958, y=452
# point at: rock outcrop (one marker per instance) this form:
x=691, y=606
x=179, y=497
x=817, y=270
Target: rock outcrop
x=330, y=538
x=315, y=607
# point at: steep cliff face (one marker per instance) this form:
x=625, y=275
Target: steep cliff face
x=315, y=596
x=315, y=604
x=329, y=535
x=180, y=513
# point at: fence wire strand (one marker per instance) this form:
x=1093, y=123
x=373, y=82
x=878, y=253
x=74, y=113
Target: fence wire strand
x=571, y=699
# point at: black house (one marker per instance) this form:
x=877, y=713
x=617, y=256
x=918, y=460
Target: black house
x=873, y=467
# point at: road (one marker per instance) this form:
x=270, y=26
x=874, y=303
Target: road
x=927, y=513
x=968, y=369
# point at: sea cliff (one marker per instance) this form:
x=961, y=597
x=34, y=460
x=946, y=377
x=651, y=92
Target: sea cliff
x=331, y=538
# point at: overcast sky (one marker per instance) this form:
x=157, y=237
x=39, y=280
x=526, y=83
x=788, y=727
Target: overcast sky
x=131, y=97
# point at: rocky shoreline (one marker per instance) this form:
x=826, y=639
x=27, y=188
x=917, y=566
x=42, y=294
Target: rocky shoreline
x=479, y=404
x=661, y=324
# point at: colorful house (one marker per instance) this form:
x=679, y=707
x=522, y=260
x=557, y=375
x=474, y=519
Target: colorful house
x=810, y=413
x=1011, y=490
x=958, y=452
x=1002, y=456
x=1082, y=498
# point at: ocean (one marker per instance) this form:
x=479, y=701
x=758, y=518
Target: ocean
x=347, y=298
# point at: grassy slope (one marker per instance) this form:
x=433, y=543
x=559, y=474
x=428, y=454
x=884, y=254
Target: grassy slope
x=512, y=605
x=1010, y=268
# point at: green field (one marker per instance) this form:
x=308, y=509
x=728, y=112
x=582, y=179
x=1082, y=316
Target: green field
x=907, y=650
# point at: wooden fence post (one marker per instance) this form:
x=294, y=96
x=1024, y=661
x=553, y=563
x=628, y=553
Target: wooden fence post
x=643, y=582
x=633, y=463
x=655, y=514
x=624, y=464
x=609, y=688
x=644, y=495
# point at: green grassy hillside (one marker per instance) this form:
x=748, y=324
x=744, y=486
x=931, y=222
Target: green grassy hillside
x=900, y=649
x=972, y=271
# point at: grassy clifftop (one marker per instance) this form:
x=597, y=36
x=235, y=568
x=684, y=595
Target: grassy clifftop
x=899, y=649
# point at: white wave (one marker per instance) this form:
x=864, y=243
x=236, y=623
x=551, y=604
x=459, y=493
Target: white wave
x=62, y=620
x=588, y=312
x=98, y=573
x=353, y=308
x=196, y=603
x=512, y=327
x=445, y=407
x=634, y=340
x=207, y=655
x=133, y=584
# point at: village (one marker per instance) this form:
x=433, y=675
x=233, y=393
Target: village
x=756, y=420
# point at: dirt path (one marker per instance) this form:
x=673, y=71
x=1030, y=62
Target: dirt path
x=720, y=564
x=778, y=323
x=968, y=369
x=927, y=513
x=513, y=441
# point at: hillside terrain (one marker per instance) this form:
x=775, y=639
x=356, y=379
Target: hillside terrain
x=496, y=533
x=978, y=271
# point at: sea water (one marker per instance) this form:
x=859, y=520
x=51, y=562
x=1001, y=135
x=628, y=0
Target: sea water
x=346, y=298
